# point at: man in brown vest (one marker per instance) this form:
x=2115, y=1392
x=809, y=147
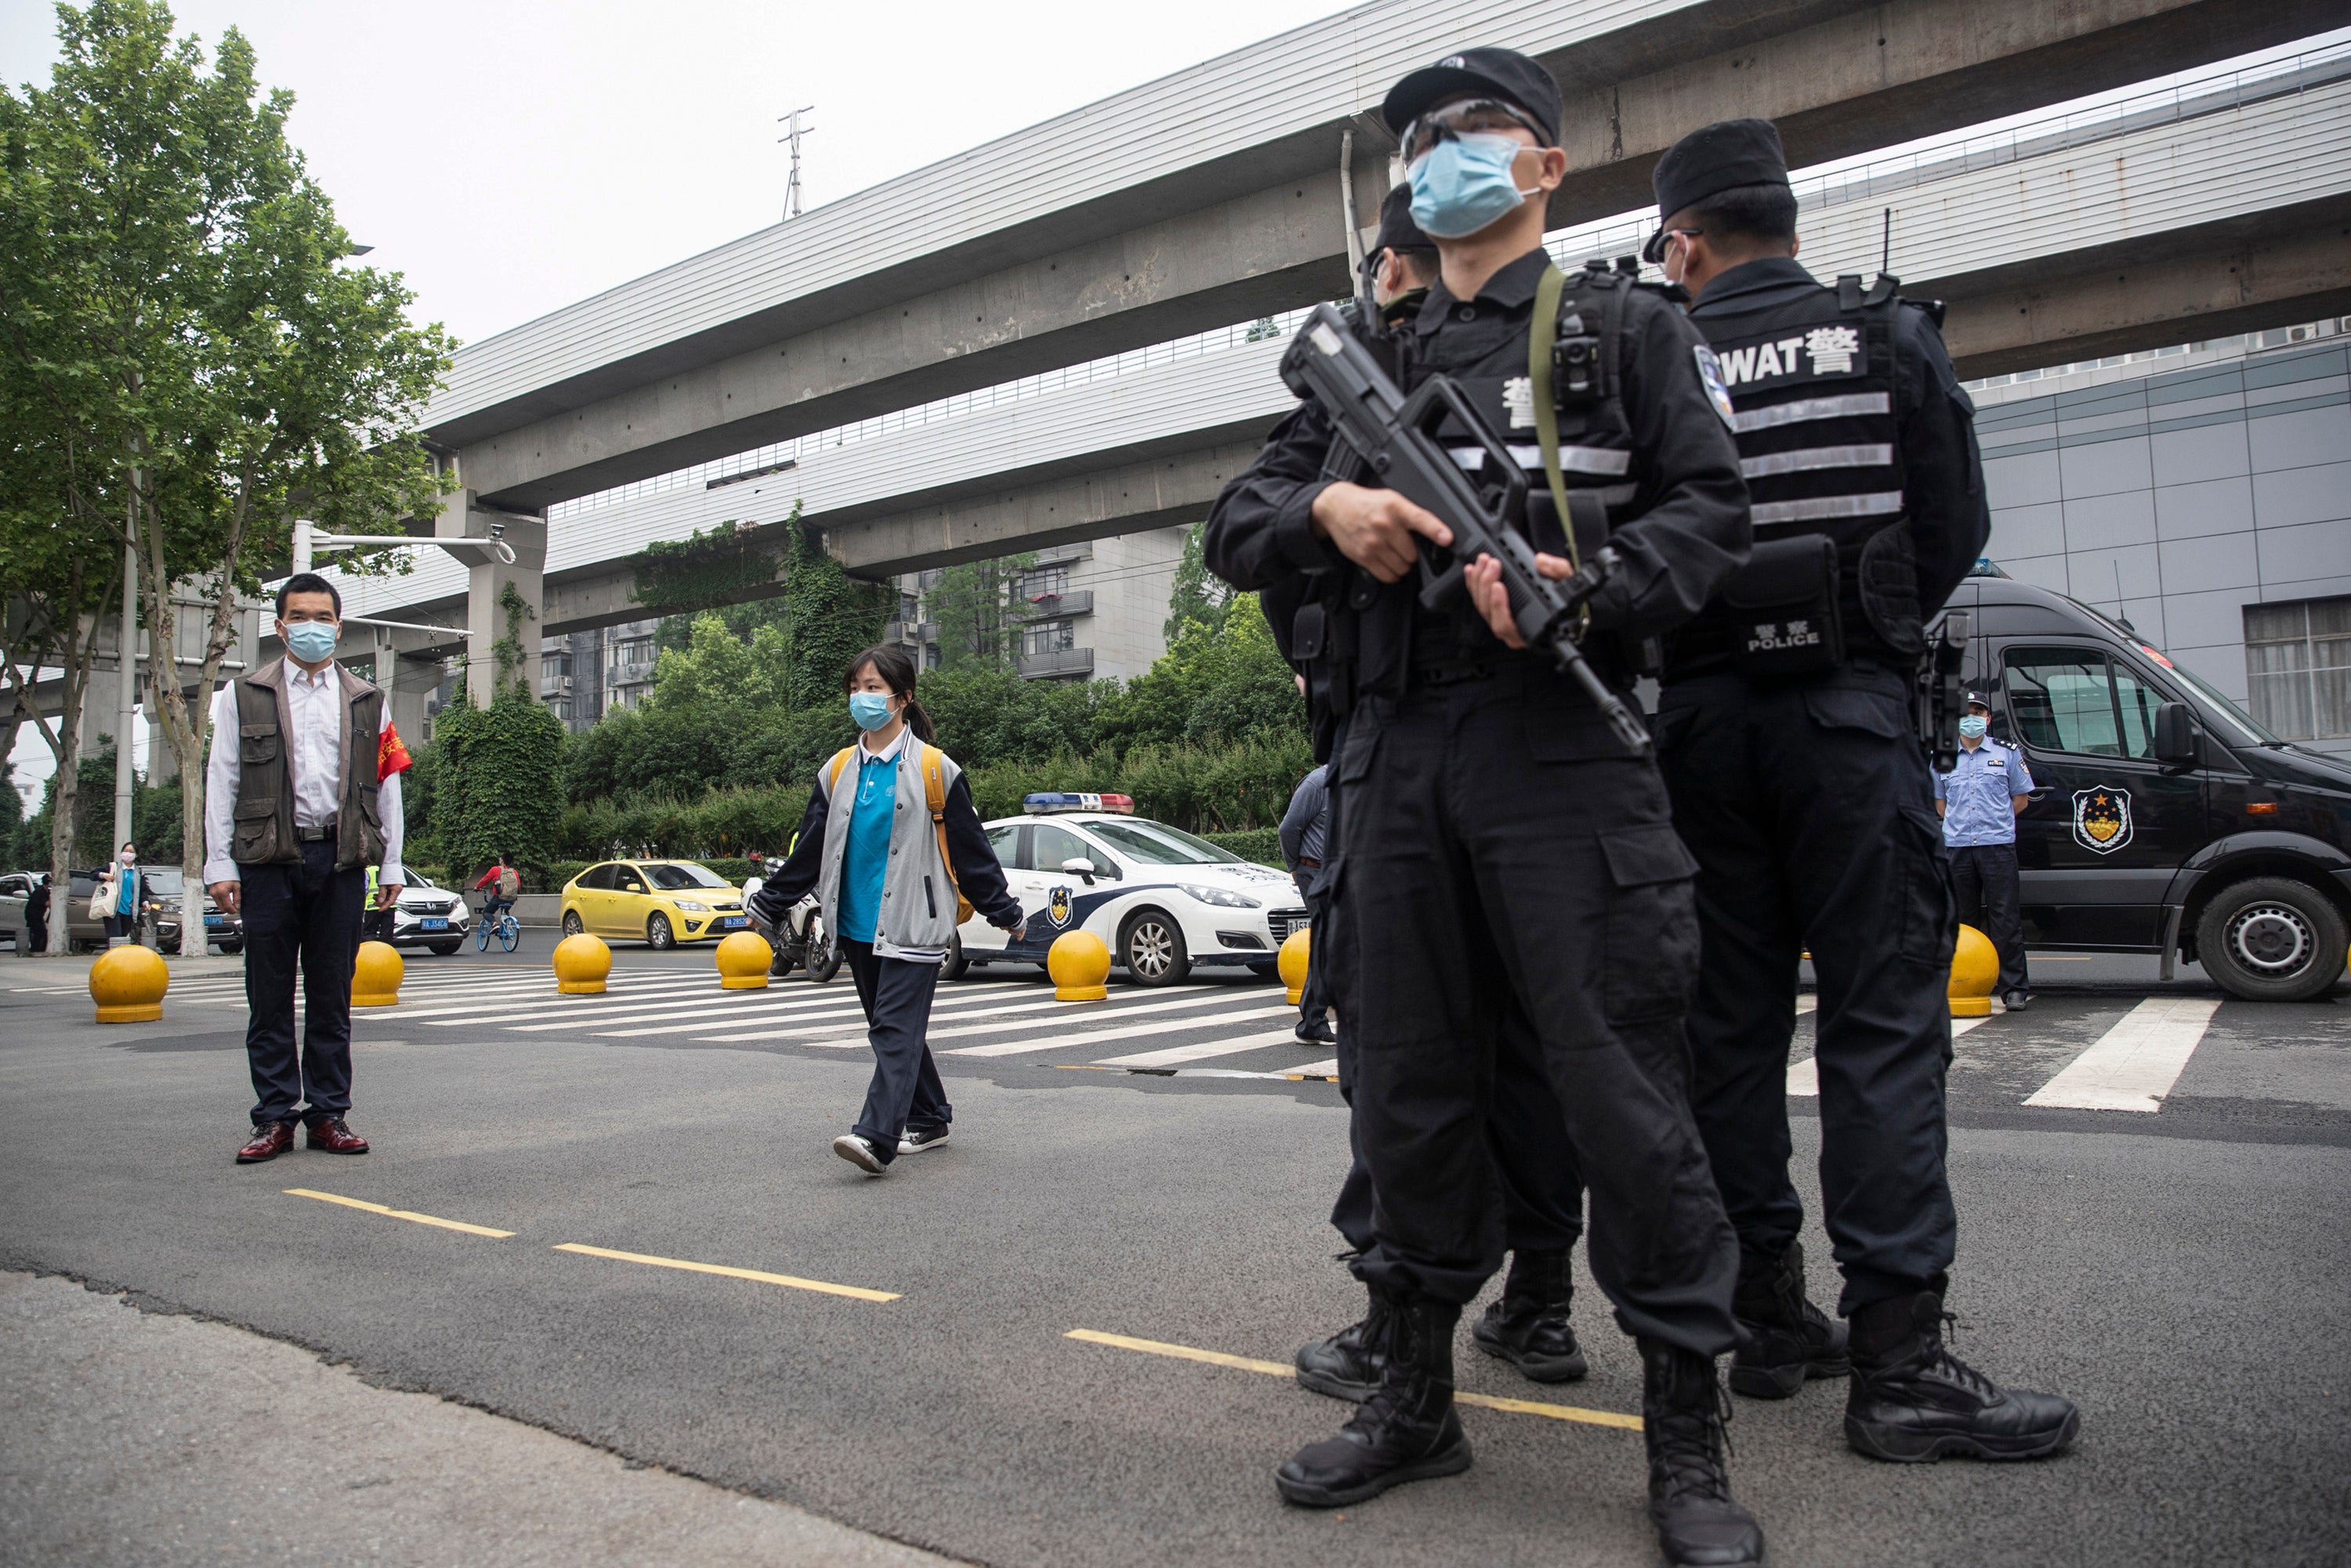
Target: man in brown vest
x=293, y=816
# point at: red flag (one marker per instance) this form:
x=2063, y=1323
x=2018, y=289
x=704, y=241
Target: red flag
x=390, y=756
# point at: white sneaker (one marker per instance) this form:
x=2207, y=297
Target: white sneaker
x=928, y=1138
x=861, y=1154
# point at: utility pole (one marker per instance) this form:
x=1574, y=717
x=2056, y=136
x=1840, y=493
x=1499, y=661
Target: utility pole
x=792, y=138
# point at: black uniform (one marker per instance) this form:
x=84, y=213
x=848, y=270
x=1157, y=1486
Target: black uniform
x=1505, y=863
x=1806, y=797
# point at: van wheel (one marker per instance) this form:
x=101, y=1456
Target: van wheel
x=2270, y=939
x=1151, y=948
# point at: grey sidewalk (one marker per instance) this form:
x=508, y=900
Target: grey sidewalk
x=136, y=1437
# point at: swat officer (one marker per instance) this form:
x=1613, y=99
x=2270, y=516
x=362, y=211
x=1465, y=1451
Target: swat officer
x=1505, y=859
x=1980, y=798
x=1541, y=1191
x=1786, y=738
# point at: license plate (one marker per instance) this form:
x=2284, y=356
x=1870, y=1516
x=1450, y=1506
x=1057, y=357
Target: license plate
x=434, y=925
x=735, y=922
x=216, y=919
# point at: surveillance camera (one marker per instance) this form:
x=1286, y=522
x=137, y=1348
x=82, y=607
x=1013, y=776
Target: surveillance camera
x=497, y=530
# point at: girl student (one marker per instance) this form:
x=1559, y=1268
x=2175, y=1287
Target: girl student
x=890, y=843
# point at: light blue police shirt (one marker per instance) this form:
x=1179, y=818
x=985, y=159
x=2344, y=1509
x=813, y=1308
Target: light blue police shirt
x=1976, y=794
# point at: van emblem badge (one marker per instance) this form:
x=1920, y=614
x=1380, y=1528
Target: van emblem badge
x=2101, y=819
x=1058, y=910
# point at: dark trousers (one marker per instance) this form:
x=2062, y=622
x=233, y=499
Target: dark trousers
x=1314, y=996
x=37, y=928
x=303, y=916
x=905, y=1091
x=1811, y=813
x=1503, y=850
x=1991, y=899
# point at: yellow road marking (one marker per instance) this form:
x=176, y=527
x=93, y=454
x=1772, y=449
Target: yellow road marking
x=1282, y=1369
x=793, y=1280
x=410, y=1215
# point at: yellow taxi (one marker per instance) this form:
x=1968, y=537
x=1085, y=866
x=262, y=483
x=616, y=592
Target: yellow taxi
x=660, y=903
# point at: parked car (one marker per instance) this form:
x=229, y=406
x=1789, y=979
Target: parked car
x=1161, y=899
x=2164, y=820
x=226, y=932
x=428, y=917
x=660, y=903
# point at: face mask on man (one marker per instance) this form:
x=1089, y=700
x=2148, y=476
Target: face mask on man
x=1972, y=726
x=1465, y=183
x=870, y=709
x=312, y=642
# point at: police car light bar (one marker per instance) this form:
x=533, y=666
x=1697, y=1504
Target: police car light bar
x=1049, y=802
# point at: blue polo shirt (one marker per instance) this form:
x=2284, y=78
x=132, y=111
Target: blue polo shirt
x=1976, y=794
x=865, y=859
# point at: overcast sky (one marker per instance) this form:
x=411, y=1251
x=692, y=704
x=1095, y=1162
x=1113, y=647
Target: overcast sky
x=512, y=156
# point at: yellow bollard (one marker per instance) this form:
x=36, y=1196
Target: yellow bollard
x=376, y=974
x=1975, y=969
x=581, y=963
x=1295, y=948
x=743, y=959
x=128, y=983
x=1079, y=963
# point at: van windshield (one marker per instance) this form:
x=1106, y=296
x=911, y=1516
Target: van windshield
x=2247, y=729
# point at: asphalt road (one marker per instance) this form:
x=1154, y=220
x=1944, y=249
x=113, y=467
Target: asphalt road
x=2177, y=1272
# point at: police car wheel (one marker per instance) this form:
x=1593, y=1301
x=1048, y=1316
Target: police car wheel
x=2271, y=940
x=956, y=965
x=1151, y=948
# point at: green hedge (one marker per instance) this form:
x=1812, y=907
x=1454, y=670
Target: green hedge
x=1262, y=845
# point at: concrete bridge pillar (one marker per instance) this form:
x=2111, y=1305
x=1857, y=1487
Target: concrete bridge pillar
x=504, y=644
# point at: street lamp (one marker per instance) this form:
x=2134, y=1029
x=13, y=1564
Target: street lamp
x=307, y=540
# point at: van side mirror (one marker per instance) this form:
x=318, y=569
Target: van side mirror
x=1077, y=865
x=2175, y=734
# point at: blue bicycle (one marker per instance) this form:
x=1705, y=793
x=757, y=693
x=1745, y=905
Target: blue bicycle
x=498, y=920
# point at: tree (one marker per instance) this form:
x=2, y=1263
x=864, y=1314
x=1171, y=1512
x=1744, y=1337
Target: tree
x=1199, y=597
x=496, y=782
x=978, y=616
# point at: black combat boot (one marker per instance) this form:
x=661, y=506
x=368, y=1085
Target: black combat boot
x=1406, y=1431
x=1784, y=1339
x=1912, y=1400
x=1347, y=1365
x=1529, y=1327
x=1682, y=1409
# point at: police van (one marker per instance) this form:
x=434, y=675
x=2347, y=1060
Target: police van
x=1162, y=900
x=2163, y=819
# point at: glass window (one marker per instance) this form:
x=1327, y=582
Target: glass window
x=2076, y=700
x=673, y=878
x=1005, y=845
x=626, y=880
x=1156, y=843
x=1045, y=581
x=2298, y=667
x=1056, y=844
x=1050, y=637
x=597, y=878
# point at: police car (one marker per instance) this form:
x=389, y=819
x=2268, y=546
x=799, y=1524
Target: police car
x=1161, y=899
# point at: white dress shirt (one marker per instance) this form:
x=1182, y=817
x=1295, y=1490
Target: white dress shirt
x=315, y=749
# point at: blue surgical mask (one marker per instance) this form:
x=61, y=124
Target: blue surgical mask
x=312, y=642
x=1465, y=183
x=870, y=709
x=1972, y=726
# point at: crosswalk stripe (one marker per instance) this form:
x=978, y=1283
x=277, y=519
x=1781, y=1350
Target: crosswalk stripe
x=1097, y=1037
x=832, y=1005
x=2133, y=1065
x=1804, y=1077
x=1208, y=997
x=466, y=1009
x=1175, y=1054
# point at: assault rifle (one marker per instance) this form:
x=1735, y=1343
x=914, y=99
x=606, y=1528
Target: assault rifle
x=1937, y=705
x=1395, y=437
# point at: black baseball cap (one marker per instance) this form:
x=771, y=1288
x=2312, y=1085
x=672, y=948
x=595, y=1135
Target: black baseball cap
x=1397, y=231
x=1976, y=699
x=1712, y=159
x=1505, y=74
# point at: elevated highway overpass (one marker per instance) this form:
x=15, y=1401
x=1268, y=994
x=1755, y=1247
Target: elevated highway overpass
x=2201, y=223
x=1211, y=196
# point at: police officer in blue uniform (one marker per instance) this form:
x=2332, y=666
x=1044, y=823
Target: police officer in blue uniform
x=1980, y=799
x=1505, y=859
x=1786, y=735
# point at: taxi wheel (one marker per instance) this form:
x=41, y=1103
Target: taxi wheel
x=2271, y=940
x=571, y=922
x=658, y=934
x=1151, y=948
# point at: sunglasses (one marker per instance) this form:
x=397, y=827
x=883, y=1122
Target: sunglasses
x=1466, y=117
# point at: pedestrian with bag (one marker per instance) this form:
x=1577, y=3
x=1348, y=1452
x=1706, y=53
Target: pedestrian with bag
x=115, y=901
x=894, y=850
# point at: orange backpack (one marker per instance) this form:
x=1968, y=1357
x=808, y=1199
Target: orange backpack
x=935, y=794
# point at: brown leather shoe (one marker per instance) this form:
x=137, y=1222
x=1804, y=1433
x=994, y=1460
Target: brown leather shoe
x=270, y=1140
x=330, y=1134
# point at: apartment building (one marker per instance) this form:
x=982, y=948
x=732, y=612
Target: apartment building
x=1087, y=611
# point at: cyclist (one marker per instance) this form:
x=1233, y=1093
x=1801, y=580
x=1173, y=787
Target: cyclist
x=499, y=886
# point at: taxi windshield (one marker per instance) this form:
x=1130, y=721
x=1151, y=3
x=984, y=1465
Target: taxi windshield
x=672, y=878
x=1156, y=843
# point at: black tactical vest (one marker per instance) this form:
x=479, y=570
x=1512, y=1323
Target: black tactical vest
x=1813, y=385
